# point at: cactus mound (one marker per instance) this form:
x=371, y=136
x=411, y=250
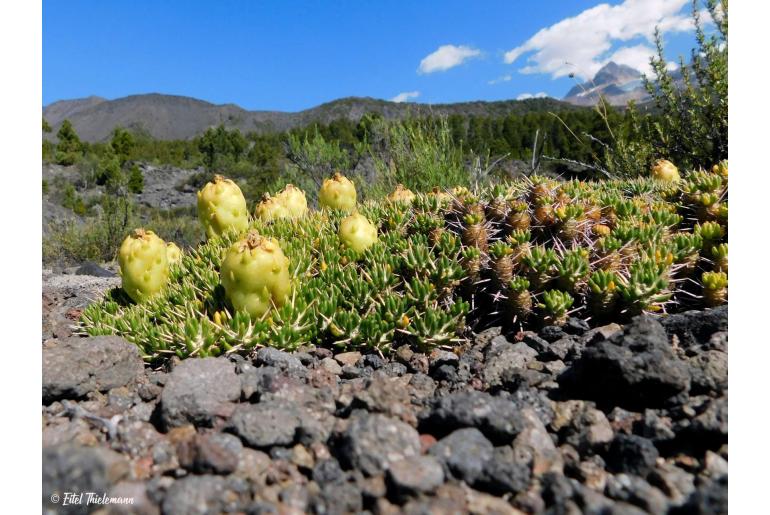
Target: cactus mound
x=424, y=272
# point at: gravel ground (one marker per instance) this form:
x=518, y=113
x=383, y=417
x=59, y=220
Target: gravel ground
x=604, y=420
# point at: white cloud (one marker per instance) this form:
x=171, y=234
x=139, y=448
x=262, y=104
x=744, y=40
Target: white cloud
x=504, y=78
x=446, y=57
x=586, y=42
x=525, y=96
x=405, y=96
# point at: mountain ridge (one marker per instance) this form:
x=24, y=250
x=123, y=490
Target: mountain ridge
x=165, y=116
x=617, y=83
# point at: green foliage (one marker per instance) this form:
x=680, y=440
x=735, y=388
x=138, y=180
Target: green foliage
x=96, y=239
x=316, y=157
x=69, y=149
x=110, y=174
x=47, y=126
x=122, y=144
x=135, y=180
x=221, y=147
x=692, y=128
x=420, y=154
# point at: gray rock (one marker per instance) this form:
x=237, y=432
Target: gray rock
x=709, y=372
x=71, y=468
x=272, y=357
x=91, y=268
x=198, y=391
x=502, y=356
x=499, y=419
x=217, y=453
x=464, y=454
x=502, y=474
x=632, y=454
x=635, y=369
x=267, y=424
x=636, y=491
x=371, y=443
x=588, y=429
x=141, y=504
x=76, y=366
x=202, y=495
x=534, y=446
x=696, y=327
x=674, y=482
x=413, y=476
x=709, y=497
x=331, y=366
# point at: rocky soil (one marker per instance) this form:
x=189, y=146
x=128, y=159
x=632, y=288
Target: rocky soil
x=606, y=420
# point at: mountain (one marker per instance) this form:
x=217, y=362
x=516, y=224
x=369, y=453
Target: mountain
x=177, y=117
x=617, y=82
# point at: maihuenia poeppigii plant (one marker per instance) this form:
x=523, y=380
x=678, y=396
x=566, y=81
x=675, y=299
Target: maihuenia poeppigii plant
x=555, y=306
x=714, y=288
x=424, y=270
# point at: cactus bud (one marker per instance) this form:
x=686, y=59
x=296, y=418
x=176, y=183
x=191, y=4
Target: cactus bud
x=143, y=264
x=338, y=193
x=271, y=208
x=294, y=200
x=664, y=170
x=173, y=253
x=221, y=206
x=401, y=195
x=255, y=274
x=357, y=232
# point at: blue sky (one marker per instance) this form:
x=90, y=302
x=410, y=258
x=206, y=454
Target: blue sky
x=294, y=55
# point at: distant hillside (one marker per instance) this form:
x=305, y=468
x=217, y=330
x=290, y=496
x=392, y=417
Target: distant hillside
x=176, y=117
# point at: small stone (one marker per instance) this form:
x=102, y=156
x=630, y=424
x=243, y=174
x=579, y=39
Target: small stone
x=502, y=474
x=534, y=445
x=714, y=464
x=199, y=391
x=635, y=369
x=71, y=468
x=328, y=471
x=404, y=354
x=673, y=481
x=498, y=418
x=635, y=490
x=552, y=333
x=414, y=475
x=419, y=364
x=272, y=357
x=331, y=366
x=464, y=453
x=347, y=358
x=77, y=366
x=632, y=454
x=371, y=443
x=217, y=453
x=266, y=424
x=301, y=457
x=194, y=495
